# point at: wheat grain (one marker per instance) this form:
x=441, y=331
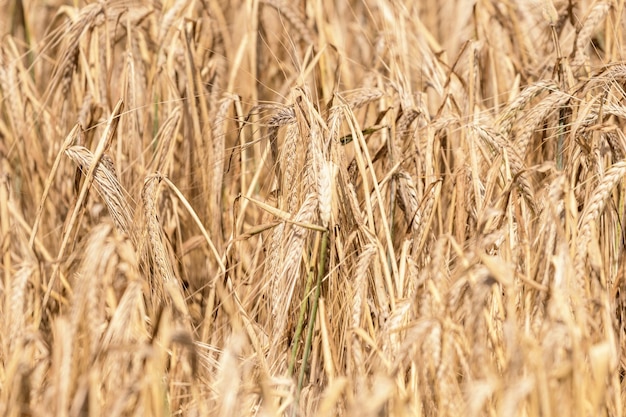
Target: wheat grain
x=9, y=85
x=285, y=282
x=16, y=316
x=107, y=185
x=285, y=9
x=593, y=208
x=165, y=281
x=507, y=116
x=583, y=38
x=88, y=303
x=537, y=116
x=364, y=96
x=82, y=21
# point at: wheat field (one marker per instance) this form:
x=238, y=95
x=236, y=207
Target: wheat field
x=312, y=208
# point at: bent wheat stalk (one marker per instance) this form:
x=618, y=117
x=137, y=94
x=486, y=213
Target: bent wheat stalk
x=103, y=145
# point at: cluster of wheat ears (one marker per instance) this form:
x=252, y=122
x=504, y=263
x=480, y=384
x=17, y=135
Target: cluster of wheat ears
x=318, y=207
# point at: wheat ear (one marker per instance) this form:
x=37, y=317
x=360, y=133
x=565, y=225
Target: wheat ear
x=164, y=273
x=108, y=186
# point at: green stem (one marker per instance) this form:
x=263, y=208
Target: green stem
x=560, y=139
x=300, y=326
x=321, y=272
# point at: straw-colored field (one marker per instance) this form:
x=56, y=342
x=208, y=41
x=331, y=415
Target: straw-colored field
x=313, y=208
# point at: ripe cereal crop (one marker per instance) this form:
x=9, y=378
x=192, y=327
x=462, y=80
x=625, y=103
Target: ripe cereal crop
x=313, y=208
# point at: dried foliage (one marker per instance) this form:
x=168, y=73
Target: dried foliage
x=274, y=208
